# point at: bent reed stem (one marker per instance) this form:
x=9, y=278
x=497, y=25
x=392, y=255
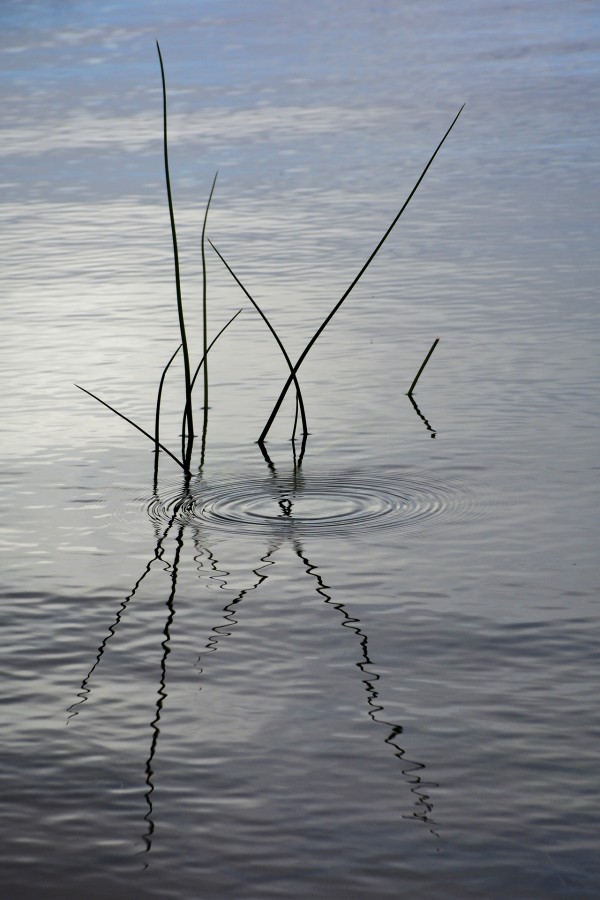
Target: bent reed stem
x=157, y=415
x=299, y=399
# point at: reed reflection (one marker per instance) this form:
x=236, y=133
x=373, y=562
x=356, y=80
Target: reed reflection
x=162, y=690
x=85, y=690
x=427, y=424
x=411, y=769
x=281, y=530
x=221, y=631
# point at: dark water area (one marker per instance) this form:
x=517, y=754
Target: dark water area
x=374, y=674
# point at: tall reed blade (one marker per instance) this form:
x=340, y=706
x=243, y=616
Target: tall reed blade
x=189, y=440
x=353, y=284
x=293, y=377
x=131, y=422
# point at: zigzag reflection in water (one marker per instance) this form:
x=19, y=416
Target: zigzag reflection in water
x=282, y=532
x=410, y=768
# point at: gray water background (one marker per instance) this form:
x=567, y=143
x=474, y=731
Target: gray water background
x=393, y=691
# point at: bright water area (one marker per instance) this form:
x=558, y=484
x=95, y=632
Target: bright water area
x=374, y=675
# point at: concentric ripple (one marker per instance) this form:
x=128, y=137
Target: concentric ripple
x=321, y=504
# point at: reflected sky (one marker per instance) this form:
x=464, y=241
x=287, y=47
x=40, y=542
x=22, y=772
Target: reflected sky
x=474, y=628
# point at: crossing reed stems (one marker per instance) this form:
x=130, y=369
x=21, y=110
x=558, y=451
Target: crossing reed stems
x=204, y=356
x=299, y=399
x=321, y=328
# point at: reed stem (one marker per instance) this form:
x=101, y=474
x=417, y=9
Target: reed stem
x=293, y=377
x=157, y=416
x=203, y=360
x=423, y=364
x=321, y=328
x=187, y=439
x=131, y=422
x=205, y=311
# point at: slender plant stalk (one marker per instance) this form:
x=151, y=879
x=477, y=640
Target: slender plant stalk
x=131, y=422
x=157, y=415
x=155, y=440
x=204, y=328
x=326, y=321
x=188, y=437
x=294, y=429
x=204, y=308
x=210, y=346
x=423, y=364
x=293, y=377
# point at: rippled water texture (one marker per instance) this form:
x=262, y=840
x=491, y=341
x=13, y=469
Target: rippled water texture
x=374, y=674
x=336, y=504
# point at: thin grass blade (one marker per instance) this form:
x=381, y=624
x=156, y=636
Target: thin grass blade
x=131, y=422
x=211, y=345
x=352, y=285
x=157, y=416
x=423, y=364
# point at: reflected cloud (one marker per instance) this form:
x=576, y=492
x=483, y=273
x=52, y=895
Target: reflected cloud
x=137, y=131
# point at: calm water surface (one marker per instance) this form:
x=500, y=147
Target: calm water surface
x=374, y=675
